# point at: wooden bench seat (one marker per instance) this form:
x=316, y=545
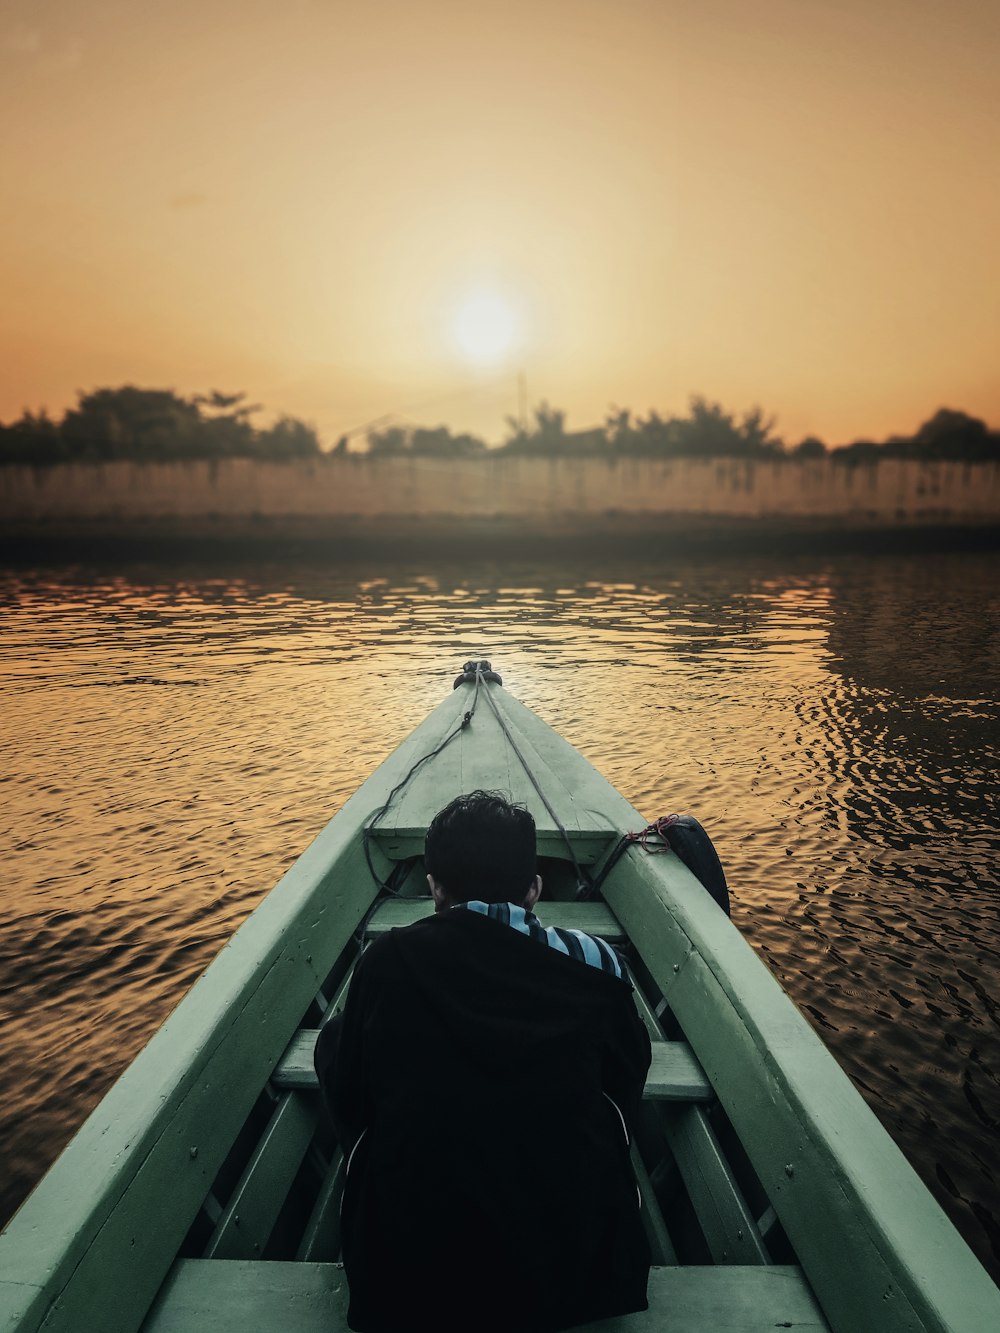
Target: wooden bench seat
x=593, y=918
x=674, y=1075
x=232, y=1296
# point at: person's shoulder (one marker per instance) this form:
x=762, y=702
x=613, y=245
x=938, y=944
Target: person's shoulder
x=596, y=955
x=607, y=960
x=379, y=960
x=386, y=945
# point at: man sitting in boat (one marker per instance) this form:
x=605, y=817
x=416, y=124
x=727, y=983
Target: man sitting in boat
x=483, y=1081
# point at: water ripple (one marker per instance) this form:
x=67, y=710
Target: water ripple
x=172, y=737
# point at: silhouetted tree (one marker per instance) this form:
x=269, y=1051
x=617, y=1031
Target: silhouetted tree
x=132, y=423
x=424, y=441
x=391, y=440
x=951, y=434
x=860, y=451
x=549, y=434
x=154, y=425
x=33, y=438
x=518, y=436
x=757, y=434
x=947, y=435
x=440, y=443
x=810, y=447
x=707, y=432
x=655, y=436
x=287, y=438
x=546, y=436
x=227, y=430
x=618, y=428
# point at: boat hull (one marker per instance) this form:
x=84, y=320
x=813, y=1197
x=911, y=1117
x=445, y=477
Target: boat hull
x=187, y=1176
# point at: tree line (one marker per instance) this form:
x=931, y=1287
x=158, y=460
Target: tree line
x=155, y=425
x=707, y=431
x=160, y=425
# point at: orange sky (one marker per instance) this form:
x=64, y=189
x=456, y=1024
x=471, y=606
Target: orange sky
x=787, y=202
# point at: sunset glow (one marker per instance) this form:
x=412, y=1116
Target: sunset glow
x=485, y=328
x=790, y=204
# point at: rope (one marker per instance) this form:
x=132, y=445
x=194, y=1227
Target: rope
x=657, y=829
x=584, y=886
x=386, y=886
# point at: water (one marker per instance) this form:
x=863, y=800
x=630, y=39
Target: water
x=171, y=737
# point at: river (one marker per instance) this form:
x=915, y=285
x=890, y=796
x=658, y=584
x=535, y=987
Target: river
x=172, y=736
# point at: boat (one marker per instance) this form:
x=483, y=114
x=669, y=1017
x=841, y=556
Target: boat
x=202, y=1194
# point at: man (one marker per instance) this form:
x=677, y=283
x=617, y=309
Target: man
x=483, y=1081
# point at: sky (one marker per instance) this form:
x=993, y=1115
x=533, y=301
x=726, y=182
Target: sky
x=789, y=203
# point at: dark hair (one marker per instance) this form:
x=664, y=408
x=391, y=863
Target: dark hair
x=481, y=846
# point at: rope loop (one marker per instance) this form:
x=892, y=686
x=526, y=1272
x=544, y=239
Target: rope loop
x=658, y=829
x=644, y=839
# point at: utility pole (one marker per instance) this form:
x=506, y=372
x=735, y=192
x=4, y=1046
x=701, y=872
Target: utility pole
x=522, y=402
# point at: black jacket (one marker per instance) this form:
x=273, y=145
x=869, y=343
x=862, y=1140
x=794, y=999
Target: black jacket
x=489, y=1186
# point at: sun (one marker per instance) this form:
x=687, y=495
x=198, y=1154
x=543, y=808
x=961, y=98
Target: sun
x=485, y=328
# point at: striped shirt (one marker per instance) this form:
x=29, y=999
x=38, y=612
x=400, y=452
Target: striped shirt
x=574, y=943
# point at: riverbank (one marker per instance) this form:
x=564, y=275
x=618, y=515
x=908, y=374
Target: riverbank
x=360, y=502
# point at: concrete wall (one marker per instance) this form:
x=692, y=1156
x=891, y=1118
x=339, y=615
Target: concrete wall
x=336, y=492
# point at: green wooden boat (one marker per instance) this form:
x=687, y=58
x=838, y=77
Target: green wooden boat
x=203, y=1192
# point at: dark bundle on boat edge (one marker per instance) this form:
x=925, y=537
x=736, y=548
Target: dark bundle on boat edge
x=203, y=1193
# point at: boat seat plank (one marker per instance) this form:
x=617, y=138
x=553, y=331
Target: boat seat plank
x=296, y=1069
x=590, y=846
x=592, y=918
x=729, y=1226
x=211, y=1296
x=674, y=1074
x=246, y=1222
